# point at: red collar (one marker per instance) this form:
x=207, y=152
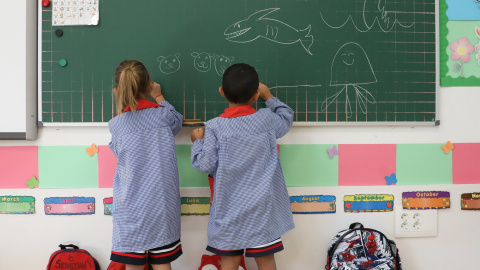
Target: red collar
x=143, y=104
x=238, y=111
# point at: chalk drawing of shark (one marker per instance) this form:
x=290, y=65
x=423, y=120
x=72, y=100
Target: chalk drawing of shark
x=257, y=25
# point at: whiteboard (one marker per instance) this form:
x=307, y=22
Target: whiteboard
x=18, y=71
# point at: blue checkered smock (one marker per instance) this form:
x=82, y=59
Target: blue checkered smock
x=251, y=206
x=146, y=197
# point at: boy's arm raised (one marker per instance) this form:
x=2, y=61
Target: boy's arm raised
x=284, y=114
x=204, y=151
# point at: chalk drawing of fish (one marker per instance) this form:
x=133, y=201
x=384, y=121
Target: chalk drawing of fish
x=257, y=25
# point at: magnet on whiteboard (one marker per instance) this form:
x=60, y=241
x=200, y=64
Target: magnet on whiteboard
x=59, y=32
x=46, y=3
x=62, y=62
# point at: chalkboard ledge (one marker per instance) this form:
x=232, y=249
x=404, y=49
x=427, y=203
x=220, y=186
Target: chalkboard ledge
x=364, y=124
x=295, y=124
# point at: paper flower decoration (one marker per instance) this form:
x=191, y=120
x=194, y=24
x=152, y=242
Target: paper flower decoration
x=461, y=49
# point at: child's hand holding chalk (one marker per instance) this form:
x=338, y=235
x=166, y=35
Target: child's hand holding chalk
x=156, y=92
x=264, y=91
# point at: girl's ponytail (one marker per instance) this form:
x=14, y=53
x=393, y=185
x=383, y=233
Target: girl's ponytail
x=132, y=83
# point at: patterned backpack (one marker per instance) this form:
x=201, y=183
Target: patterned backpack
x=362, y=248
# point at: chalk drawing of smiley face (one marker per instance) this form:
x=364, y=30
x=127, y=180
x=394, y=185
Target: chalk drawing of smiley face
x=348, y=58
x=202, y=61
x=169, y=64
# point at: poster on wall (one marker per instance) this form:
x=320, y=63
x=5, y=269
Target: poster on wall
x=69, y=206
x=313, y=204
x=459, y=43
x=17, y=205
x=368, y=203
x=421, y=200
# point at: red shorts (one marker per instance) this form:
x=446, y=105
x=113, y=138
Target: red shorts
x=258, y=251
x=160, y=255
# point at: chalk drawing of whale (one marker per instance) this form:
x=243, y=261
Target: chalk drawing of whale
x=257, y=25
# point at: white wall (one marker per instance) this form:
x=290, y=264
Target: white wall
x=28, y=240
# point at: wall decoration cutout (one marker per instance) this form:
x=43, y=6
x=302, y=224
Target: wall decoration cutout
x=17, y=164
x=368, y=203
x=17, y=205
x=313, y=204
x=459, y=20
x=420, y=200
x=465, y=160
x=332, y=151
x=447, y=147
x=197, y=206
x=66, y=167
x=471, y=201
x=391, y=180
x=92, y=150
x=69, y=206
x=108, y=206
x=366, y=164
x=32, y=183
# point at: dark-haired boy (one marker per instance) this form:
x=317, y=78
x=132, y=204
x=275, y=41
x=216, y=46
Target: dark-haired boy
x=251, y=207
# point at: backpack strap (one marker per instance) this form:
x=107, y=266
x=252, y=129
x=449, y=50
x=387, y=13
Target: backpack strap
x=356, y=225
x=396, y=254
x=67, y=246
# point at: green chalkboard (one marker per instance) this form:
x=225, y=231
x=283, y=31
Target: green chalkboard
x=334, y=61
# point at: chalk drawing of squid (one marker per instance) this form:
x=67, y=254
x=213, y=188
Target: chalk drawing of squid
x=258, y=25
x=350, y=69
x=169, y=64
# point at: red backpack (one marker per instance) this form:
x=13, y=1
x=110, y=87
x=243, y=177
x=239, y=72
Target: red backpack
x=73, y=258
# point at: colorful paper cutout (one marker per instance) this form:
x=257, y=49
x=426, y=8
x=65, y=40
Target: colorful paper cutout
x=189, y=177
x=332, y=151
x=420, y=200
x=391, y=179
x=470, y=201
x=463, y=10
x=17, y=205
x=306, y=165
x=457, y=72
x=69, y=206
x=465, y=160
x=108, y=206
x=107, y=165
x=423, y=164
x=32, y=182
x=17, y=164
x=195, y=206
x=66, y=167
x=366, y=164
x=313, y=204
x=447, y=147
x=92, y=150
x=368, y=203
